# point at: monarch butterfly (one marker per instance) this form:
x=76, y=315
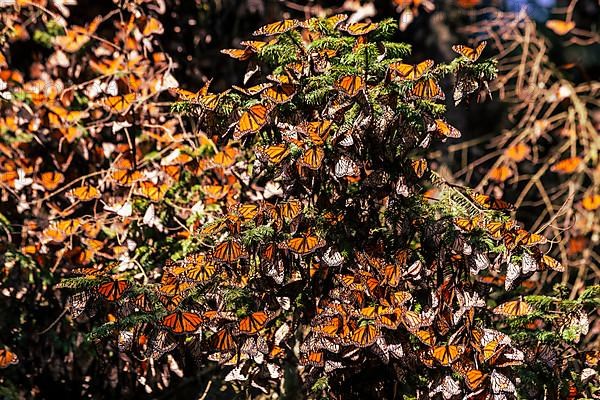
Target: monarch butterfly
x=312, y=158
x=85, y=193
x=229, y=251
x=365, y=335
x=560, y=27
x=225, y=158
x=474, y=378
x=77, y=302
x=281, y=79
x=173, y=171
x=239, y=54
x=360, y=28
x=410, y=72
x=472, y=54
x=160, y=344
x=197, y=268
x=279, y=94
x=448, y=387
x=253, y=90
x=426, y=336
x=591, y=202
x=186, y=95
x=119, y=104
x=447, y=354
x=274, y=154
x=515, y=308
x=304, y=244
x=142, y=302
x=334, y=327
x=290, y=209
x=566, y=166
x=332, y=258
x=419, y=167
x=247, y=211
x=210, y=101
x=346, y=167
x=592, y=357
x=59, y=230
x=552, y=263
x=468, y=224
x=401, y=297
x=389, y=317
x=411, y=320
x=152, y=26
x=317, y=131
x=7, y=357
x=170, y=302
x=51, y=180
x=58, y=115
x=113, y=290
x=446, y=130
x=182, y=322
x=222, y=341
x=350, y=84
x=490, y=203
x=528, y=239
x=367, y=261
x=277, y=28
x=428, y=89
x=518, y=152
x=77, y=36
x=216, y=192
x=501, y=384
x=501, y=173
x=153, y=191
x=253, y=323
x=255, y=44
x=126, y=177
x=314, y=358
x=252, y=120
x=491, y=342
x=332, y=21
x=171, y=286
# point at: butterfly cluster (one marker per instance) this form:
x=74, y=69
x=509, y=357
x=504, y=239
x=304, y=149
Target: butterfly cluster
x=79, y=120
x=551, y=139
x=291, y=229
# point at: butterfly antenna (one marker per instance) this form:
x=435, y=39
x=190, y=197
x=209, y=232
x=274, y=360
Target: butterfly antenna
x=62, y=314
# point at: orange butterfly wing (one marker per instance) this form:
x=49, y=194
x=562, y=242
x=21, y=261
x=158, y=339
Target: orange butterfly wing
x=252, y=120
x=229, y=251
x=472, y=54
x=304, y=244
x=182, y=322
x=253, y=323
x=365, y=335
x=312, y=158
x=113, y=290
x=360, y=28
x=447, y=354
x=515, y=308
x=277, y=28
x=119, y=104
x=7, y=358
x=350, y=84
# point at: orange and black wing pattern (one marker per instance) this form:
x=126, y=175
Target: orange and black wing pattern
x=181, y=322
x=113, y=290
x=277, y=28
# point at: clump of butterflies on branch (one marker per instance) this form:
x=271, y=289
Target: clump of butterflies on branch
x=302, y=227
